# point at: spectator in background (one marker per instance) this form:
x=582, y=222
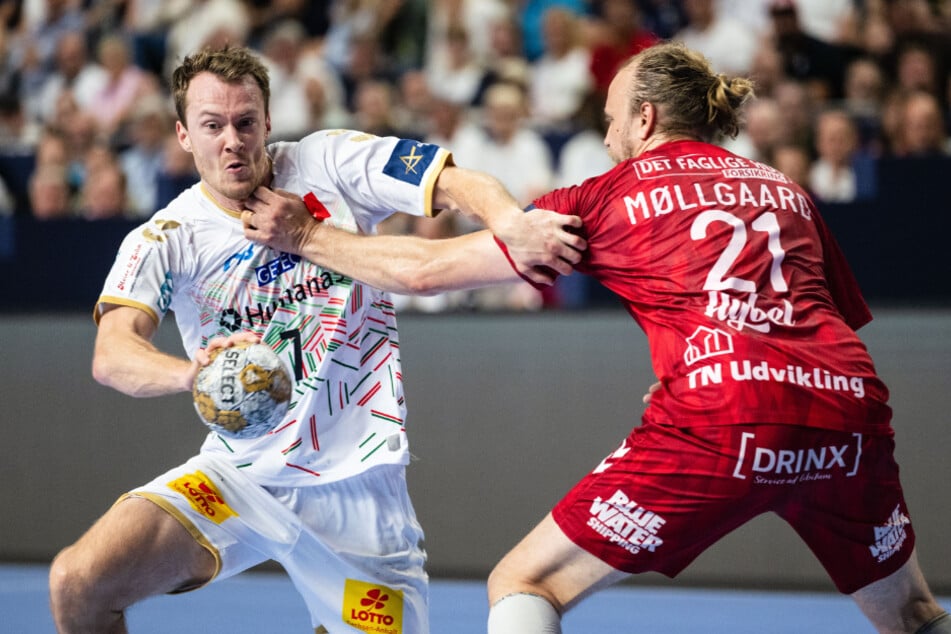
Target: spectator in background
x=18, y=133
x=794, y=161
x=511, y=150
x=353, y=24
x=147, y=22
x=125, y=85
x=531, y=15
x=922, y=133
x=32, y=51
x=50, y=193
x=281, y=50
x=864, y=93
x=820, y=65
x=143, y=160
x=453, y=129
x=917, y=68
x=375, y=108
x=916, y=23
x=618, y=33
x=457, y=75
x=832, y=177
x=583, y=155
x=103, y=195
x=415, y=104
x=766, y=68
x=206, y=23
x=796, y=111
x=560, y=78
x=51, y=149
x=480, y=19
x=761, y=132
x=85, y=80
x=725, y=41
x=326, y=95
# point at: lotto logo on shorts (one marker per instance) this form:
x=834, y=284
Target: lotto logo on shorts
x=201, y=493
x=370, y=607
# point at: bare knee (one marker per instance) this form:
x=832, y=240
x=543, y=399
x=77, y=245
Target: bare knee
x=76, y=594
x=505, y=580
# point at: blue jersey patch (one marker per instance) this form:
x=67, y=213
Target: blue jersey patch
x=410, y=160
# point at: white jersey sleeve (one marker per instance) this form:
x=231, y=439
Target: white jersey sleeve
x=360, y=179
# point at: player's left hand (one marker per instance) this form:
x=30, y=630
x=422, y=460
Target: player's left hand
x=543, y=244
x=278, y=219
x=203, y=355
x=646, y=399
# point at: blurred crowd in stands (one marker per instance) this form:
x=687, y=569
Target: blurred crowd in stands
x=513, y=87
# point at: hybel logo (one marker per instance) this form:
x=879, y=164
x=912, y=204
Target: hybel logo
x=201, y=493
x=371, y=607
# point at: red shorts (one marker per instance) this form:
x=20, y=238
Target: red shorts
x=669, y=493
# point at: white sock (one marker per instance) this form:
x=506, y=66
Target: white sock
x=523, y=613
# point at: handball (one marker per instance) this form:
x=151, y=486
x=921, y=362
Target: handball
x=244, y=392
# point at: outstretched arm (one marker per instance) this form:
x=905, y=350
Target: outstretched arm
x=540, y=243
x=400, y=264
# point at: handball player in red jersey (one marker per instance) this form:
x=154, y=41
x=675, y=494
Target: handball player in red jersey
x=767, y=399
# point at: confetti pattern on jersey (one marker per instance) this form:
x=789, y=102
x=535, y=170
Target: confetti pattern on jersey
x=347, y=410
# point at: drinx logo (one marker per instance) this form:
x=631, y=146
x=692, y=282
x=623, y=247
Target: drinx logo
x=201, y=493
x=787, y=465
x=372, y=607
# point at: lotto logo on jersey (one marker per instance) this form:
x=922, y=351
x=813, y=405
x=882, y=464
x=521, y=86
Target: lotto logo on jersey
x=410, y=160
x=370, y=607
x=201, y=493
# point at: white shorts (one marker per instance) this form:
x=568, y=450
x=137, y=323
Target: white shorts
x=351, y=547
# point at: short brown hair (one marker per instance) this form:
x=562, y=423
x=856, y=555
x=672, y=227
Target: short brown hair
x=231, y=64
x=691, y=99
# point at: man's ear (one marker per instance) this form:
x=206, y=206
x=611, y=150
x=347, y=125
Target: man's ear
x=648, y=116
x=182, y=133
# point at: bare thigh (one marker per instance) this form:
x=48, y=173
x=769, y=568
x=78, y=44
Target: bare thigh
x=137, y=550
x=549, y=564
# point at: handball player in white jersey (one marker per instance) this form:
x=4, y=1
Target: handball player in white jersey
x=767, y=399
x=324, y=493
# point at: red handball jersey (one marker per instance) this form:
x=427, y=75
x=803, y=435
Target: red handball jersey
x=748, y=305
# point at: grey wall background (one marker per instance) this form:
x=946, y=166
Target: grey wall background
x=506, y=412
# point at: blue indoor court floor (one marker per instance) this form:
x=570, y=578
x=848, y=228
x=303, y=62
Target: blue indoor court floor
x=266, y=603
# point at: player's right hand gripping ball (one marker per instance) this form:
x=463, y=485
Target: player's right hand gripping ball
x=244, y=392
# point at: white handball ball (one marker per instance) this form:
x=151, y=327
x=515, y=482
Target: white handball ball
x=244, y=392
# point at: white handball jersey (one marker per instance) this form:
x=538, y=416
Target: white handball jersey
x=347, y=412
